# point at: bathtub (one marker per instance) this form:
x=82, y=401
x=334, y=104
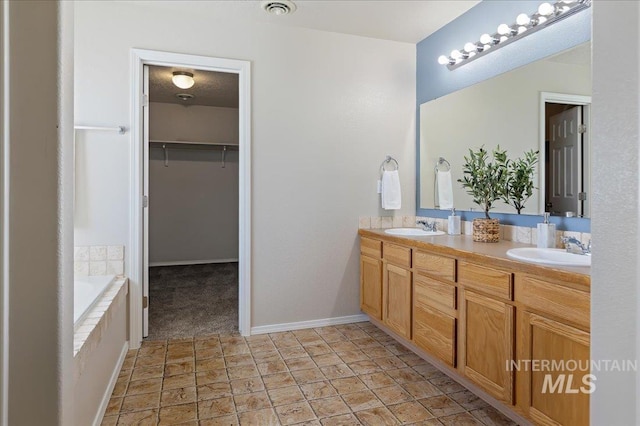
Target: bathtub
x=86, y=293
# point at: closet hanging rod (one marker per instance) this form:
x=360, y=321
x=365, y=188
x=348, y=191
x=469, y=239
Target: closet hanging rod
x=120, y=129
x=193, y=145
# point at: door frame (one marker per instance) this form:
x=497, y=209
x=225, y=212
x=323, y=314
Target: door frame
x=136, y=263
x=561, y=98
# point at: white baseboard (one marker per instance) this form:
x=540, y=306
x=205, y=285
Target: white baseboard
x=275, y=328
x=112, y=384
x=191, y=262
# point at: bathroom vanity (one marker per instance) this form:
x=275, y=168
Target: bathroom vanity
x=514, y=331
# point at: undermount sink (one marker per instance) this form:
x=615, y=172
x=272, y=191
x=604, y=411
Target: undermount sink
x=414, y=232
x=549, y=256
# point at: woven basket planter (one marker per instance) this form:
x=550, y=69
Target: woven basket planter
x=486, y=230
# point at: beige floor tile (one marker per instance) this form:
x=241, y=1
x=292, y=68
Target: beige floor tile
x=242, y=372
x=251, y=401
x=308, y=376
x=491, y=417
x=352, y=356
x=179, y=381
x=180, y=356
x=215, y=407
x=295, y=413
x=354, y=334
x=149, y=361
x=266, y=417
x=235, y=349
x=421, y=389
x=278, y=380
x=348, y=385
x=392, y=395
x=410, y=412
x=329, y=407
x=120, y=388
x=318, y=390
x=337, y=371
x=139, y=418
x=343, y=420
x=343, y=346
x=293, y=352
x=177, y=414
x=412, y=360
x=178, y=396
x=284, y=396
x=239, y=360
x=147, y=372
x=441, y=406
x=377, y=416
x=109, y=421
x=396, y=348
x=405, y=375
x=468, y=400
x=447, y=385
x=318, y=349
x=377, y=380
x=141, y=402
x=366, y=343
x=113, y=407
x=152, y=350
x=209, y=364
x=378, y=352
x=390, y=363
x=302, y=363
x=428, y=371
x=249, y=385
x=362, y=400
x=327, y=359
x=268, y=356
x=261, y=347
x=213, y=391
x=183, y=367
x=211, y=376
x=461, y=419
x=364, y=367
x=272, y=367
x=231, y=420
x=206, y=353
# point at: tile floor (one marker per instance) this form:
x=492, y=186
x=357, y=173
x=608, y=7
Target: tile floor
x=351, y=374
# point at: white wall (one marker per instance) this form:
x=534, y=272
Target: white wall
x=37, y=134
x=615, y=207
x=196, y=123
x=326, y=109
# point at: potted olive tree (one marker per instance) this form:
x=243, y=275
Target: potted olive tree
x=484, y=177
x=519, y=182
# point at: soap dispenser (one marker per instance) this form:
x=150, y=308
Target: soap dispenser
x=546, y=233
x=454, y=223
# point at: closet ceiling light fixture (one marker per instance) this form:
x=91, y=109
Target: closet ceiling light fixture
x=183, y=79
x=279, y=7
x=547, y=14
x=185, y=96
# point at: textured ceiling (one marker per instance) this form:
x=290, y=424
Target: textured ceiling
x=211, y=88
x=401, y=20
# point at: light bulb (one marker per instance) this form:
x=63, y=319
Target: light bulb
x=546, y=9
x=443, y=60
x=503, y=39
x=523, y=19
x=486, y=39
x=522, y=29
x=183, y=80
x=456, y=54
x=470, y=47
x=541, y=19
x=504, y=29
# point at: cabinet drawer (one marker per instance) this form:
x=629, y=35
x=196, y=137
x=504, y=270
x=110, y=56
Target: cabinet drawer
x=371, y=247
x=397, y=254
x=487, y=280
x=434, y=265
x=429, y=292
x=435, y=332
x=554, y=299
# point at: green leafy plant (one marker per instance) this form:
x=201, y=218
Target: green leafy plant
x=519, y=180
x=484, y=176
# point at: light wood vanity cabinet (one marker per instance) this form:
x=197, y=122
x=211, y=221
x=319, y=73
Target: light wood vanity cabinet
x=486, y=320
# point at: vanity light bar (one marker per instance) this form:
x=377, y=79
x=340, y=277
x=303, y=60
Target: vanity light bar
x=546, y=14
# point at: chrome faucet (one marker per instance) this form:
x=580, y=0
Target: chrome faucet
x=573, y=245
x=428, y=226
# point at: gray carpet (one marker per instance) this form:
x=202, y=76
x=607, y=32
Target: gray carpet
x=192, y=300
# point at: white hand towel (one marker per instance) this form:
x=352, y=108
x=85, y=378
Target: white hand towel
x=391, y=198
x=445, y=190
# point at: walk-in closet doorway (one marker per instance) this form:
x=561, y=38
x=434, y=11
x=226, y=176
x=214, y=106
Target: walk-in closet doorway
x=190, y=258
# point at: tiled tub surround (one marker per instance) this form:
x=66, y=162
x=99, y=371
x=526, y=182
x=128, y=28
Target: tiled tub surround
x=100, y=345
x=519, y=234
x=98, y=260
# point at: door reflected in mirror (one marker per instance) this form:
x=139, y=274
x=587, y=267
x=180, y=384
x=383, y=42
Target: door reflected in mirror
x=544, y=106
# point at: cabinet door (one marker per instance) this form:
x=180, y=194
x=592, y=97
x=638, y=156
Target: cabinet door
x=397, y=300
x=371, y=286
x=487, y=344
x=557, y=395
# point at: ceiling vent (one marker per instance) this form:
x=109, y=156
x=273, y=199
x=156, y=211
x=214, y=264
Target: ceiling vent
x=185, y=96
x=279, y=7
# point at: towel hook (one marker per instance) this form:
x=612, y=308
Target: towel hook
x=442, y=162
x=388, y=160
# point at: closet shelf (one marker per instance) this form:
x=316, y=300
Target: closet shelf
x=193, y=144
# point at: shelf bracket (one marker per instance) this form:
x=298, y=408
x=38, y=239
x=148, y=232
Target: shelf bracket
x=166, y=154
x=224, y=154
